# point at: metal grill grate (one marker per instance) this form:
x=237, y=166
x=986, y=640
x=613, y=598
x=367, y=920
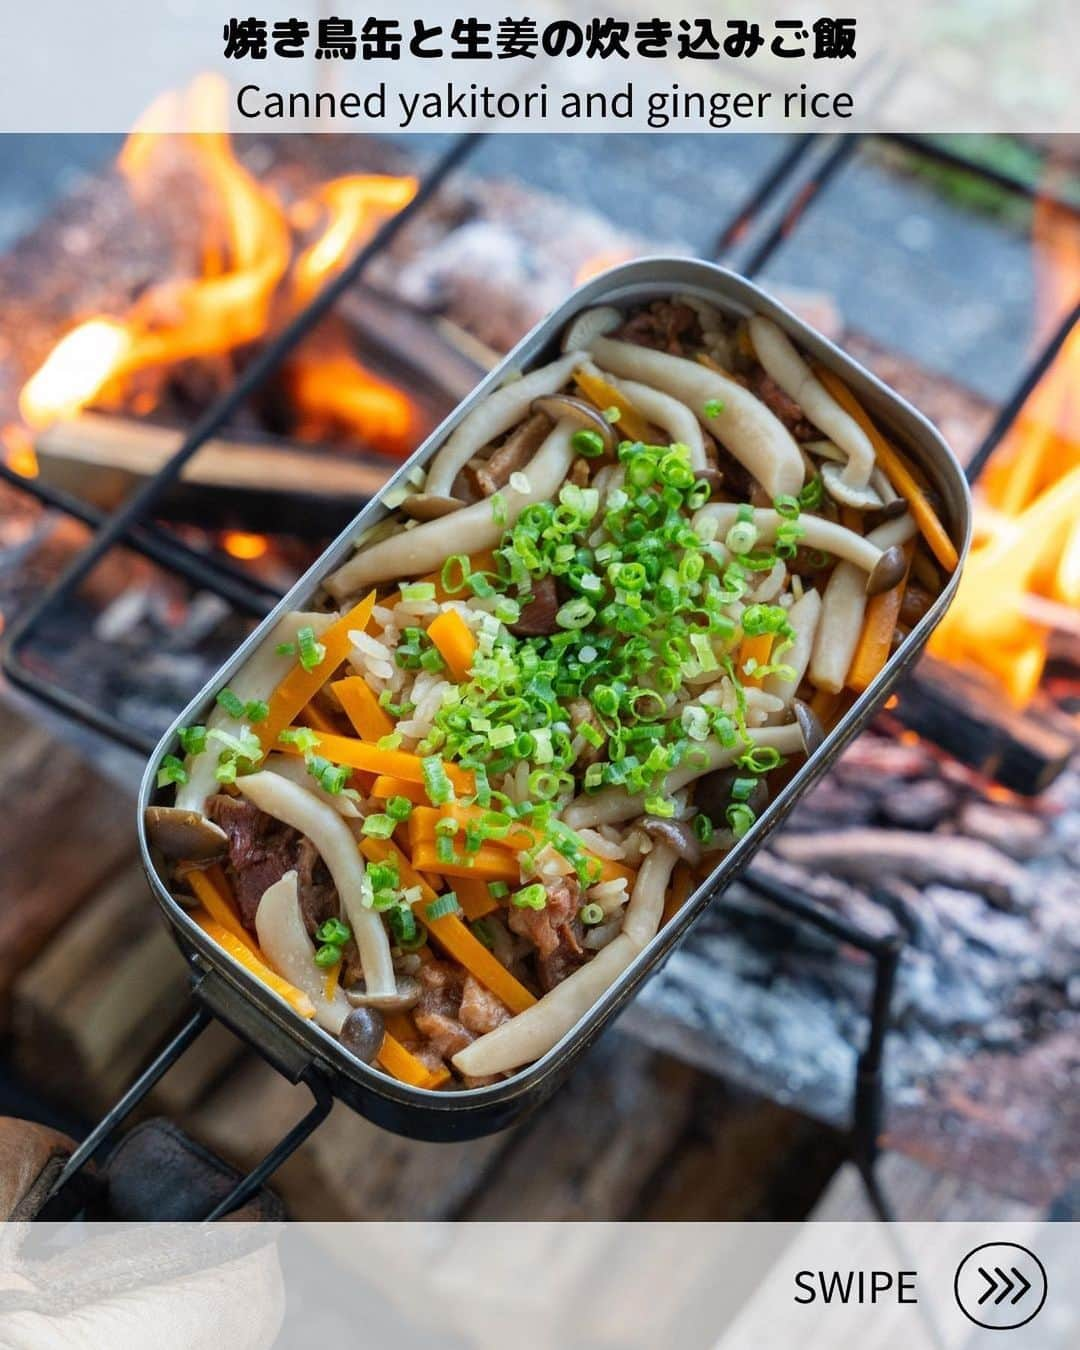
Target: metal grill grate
x=758, y=226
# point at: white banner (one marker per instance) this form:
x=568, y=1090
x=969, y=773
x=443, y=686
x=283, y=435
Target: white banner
x=698, y=65
x=734, y=1286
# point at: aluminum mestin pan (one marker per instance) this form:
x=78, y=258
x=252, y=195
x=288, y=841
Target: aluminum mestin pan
x=296, y=1046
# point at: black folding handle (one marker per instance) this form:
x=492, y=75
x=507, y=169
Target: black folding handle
x=210, y=996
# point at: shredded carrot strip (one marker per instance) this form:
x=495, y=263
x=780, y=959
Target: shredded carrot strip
x=519, y=837
x=212, y=889
x=298, y=688
x=756, y=649
x=455, y=642
x=678, y=892
x=400, y=1064
x=378, y=850
x=423, y=820
x=385, y=787
x=899, y=474
x=313, y=717
x=474, y=897
x=488, y=862
x=712, y=364
x=330, y=981
x=875, y=641
x=631, y=426
x=451, y=932
x=243, y=954
x=362, y=708
x=394, y=763
x=452, y=935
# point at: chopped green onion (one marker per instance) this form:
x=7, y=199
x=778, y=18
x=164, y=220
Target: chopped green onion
x=329, y=954
x=498, y=889
x=437, y=784
x=530, y=897
x=233, y=705
x=418, y=590
x=591, y=914
x=378, y=826
x=312, y=652
x=257, y=710
x=302, y=737
x=787, y=506
x=399, y=808
x=742, y=789
x=740, y=817
x=742, y=536
x=285, y=649
x=390, y=742
x=333, y=930
x=192, y=739
x=812, y=494
x=714, y=407
x=440, y=907
x=575, y=614
x=588, y=443
x=171, y=771
x=703, y=828
x=402, y=924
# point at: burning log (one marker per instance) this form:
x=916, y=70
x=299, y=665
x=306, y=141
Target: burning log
x=963, y=711
x=102, y=458
x=868, y=855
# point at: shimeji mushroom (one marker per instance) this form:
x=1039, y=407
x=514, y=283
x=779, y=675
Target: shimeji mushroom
x=583, y=330
x=284, y=940
x=843, y=605
x=535, y=1031
x=663, y=411
x=739, y=421
x=557, y=406
x=497, y=413
x=182, y=830
x=295, y=806
x=803, y=616
x=776, y=352
x=879, y=563
x=611, y=805
x=427, y=546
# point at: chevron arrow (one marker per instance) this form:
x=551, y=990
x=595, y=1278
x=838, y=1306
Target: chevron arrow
x=1026, y=1283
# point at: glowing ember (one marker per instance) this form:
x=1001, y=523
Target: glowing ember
x=245, y=546
x=19, y=453
x=1023, y=575
x=250, y=284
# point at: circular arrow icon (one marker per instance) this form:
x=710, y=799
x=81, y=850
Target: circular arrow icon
x=1000, y=1285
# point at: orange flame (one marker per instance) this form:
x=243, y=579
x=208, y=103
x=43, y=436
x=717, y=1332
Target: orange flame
x=249, y=280
x=1023, y=575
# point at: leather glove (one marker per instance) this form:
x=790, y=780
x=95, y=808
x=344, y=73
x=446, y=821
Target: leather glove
x=171, y=1286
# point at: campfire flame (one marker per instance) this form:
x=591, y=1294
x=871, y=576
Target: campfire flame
x=1022, y=579
x=261, y=259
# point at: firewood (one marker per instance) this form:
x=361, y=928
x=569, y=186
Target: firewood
x=594, y=1147
x=349, y=1169
x=867, y=855
x=63, y=833
x=89, y=1013
x=102, y=457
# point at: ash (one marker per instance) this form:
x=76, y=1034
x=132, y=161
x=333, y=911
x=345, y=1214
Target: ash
x=983, y=1057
